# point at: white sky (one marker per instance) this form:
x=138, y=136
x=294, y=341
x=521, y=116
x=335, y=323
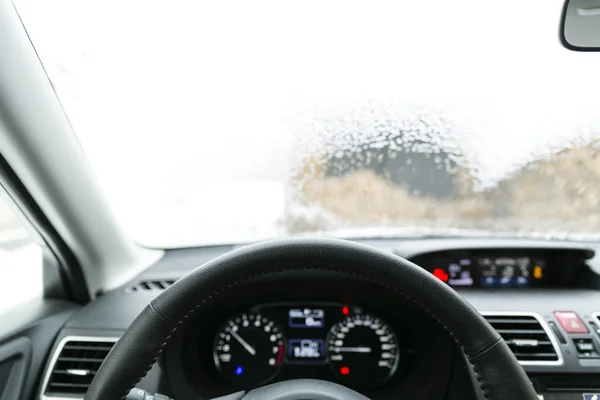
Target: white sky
x=169, y=96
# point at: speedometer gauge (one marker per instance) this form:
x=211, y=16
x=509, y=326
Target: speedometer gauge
x=363, y=350
x=249, y=349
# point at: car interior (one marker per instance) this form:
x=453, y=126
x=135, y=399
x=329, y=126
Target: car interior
x=433, y=284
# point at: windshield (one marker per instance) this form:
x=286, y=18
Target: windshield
x=230, y=121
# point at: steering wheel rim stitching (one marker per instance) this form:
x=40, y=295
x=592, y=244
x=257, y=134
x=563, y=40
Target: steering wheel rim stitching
x=247, y=279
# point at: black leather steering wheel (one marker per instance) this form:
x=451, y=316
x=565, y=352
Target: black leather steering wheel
x=498, y=373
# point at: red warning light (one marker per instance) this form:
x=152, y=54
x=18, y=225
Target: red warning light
x=344, y=370
x=345, y=310
x=440, y=274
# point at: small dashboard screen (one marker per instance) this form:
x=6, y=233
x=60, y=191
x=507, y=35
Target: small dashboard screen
x=506, y=271
x=460, y=273
x=309, y=347
x=306, y=318
x=306, y=327
x=490, y=270
x=306, y=349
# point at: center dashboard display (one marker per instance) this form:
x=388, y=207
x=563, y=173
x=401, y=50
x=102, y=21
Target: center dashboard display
x=306, y=348
x=490, y=270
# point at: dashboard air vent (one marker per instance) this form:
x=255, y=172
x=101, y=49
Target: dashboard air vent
x=74, y=365
x=149, y=285
x=529, y=340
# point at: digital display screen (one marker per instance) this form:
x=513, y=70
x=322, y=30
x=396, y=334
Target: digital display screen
x=490, y=270
x=306, y=349
x=505, y=271
x=306, y=327
x=460, y=274
x=306, y=318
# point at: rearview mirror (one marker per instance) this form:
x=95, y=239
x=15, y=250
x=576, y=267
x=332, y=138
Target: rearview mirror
x=580, y=25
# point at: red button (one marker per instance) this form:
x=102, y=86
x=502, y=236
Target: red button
x=570, y=322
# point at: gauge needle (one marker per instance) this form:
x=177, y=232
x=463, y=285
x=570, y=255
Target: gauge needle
x=352, y=349
x=242, y=342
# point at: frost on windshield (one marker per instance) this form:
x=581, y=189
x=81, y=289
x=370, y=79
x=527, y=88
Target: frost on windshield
x=411, y=168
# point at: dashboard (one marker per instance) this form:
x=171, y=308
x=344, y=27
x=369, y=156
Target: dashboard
x=351, y=332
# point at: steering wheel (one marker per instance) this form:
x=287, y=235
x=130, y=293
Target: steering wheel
x=499, y=375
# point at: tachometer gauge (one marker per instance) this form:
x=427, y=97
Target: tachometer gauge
x=249, y=349
x=363, y=350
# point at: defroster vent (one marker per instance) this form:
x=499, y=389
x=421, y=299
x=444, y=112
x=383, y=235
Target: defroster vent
x=150, y=285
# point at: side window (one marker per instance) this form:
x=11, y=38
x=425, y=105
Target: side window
x=20, y=258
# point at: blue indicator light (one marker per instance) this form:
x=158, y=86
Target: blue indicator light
x=239, y=370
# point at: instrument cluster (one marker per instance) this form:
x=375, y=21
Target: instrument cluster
x=334, y=341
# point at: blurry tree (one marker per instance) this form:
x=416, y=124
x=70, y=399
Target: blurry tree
x=365, y=164
x=560, y=191
x=416, y=148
